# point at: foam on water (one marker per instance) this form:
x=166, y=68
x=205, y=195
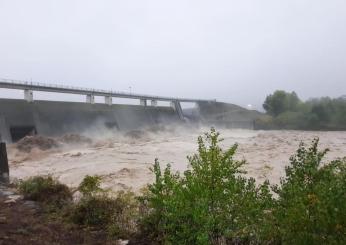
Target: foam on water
x=124, y=160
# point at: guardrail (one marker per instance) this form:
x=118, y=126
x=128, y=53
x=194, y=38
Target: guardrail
x=36, y=86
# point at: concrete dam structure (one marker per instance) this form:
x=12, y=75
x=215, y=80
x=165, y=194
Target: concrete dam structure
x=21, y=117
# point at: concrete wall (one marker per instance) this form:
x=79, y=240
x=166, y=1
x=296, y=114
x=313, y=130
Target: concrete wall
x=56, y=118
x=227, y=115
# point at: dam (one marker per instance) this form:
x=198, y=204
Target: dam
x=27, y=116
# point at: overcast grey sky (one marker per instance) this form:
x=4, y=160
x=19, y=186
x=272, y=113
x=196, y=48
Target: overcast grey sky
x=234, y=51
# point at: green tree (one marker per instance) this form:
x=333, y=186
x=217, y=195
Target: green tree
x=288, y=112
x=281, y=101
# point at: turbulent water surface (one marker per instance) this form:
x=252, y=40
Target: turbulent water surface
x=123, y=160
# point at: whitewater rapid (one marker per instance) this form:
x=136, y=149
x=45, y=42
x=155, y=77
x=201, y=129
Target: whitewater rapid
x=123, y=162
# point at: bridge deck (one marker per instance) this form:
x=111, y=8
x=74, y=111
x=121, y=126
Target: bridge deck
x=34, y=86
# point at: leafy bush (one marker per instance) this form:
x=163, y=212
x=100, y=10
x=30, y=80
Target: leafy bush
x=90, y=185
x=212, y=203
x=94, y=211
x=45, y=189
x=209, y=204
x=99, y=209
x=311, y=204
x=291, y=120
x=265, y=122
x=124, y=221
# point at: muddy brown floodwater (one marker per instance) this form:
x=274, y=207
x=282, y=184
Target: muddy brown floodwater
x=123, y=160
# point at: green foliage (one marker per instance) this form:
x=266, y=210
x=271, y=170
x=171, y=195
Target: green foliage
x=94, y=211
x=213, y=203
x=291, y=120
x=265, y=122
x=100, y=209
x=280, y=102
x=209, y=204
x=90, y=185
x=124, y=221
x=289, y=112
x=311, y=204
x=117, y=215
x=45, y=189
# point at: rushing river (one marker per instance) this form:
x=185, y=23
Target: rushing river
x=124, y=162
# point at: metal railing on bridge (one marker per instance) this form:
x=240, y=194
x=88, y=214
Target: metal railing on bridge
x=47, y=87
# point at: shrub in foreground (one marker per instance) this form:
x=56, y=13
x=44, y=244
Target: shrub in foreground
x=94, y=211
x=124, y=220
x=90, y=185
x=212, y=203
x=100, y=209
x=311, y=204
x=45, y=189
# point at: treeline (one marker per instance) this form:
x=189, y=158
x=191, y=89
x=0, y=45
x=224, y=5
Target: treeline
x=286, y=111
x=213, y=202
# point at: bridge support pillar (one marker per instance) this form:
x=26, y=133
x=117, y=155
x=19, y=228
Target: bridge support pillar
x=108, y=100
x=143, y=102
x=28, y=95
x=153, y=102
x=90, y=99
x=177, y=107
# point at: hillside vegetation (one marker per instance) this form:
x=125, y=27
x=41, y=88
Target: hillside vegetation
x=286, y=111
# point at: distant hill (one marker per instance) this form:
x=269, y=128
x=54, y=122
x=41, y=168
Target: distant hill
x=224, y=114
